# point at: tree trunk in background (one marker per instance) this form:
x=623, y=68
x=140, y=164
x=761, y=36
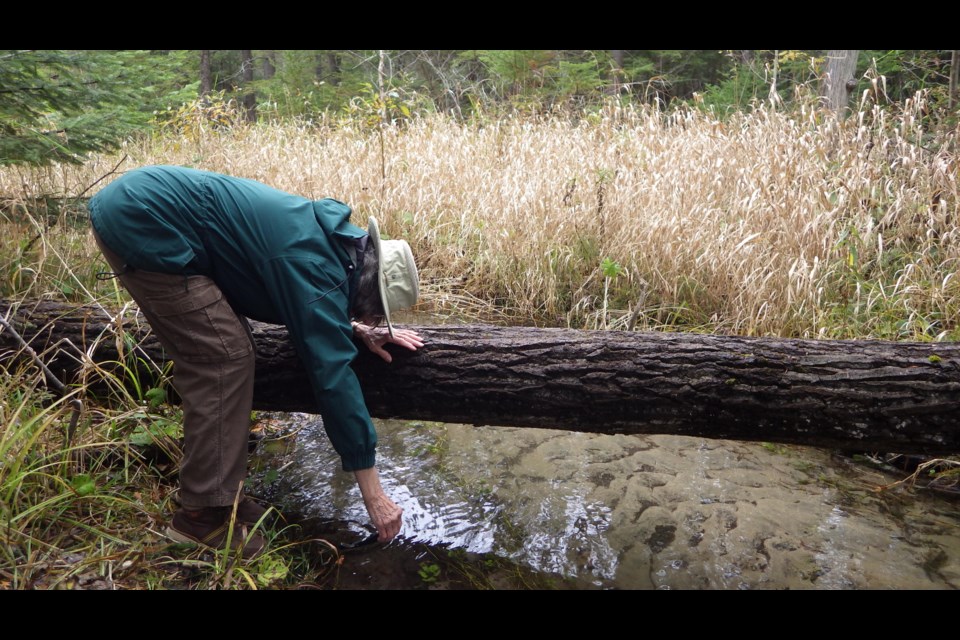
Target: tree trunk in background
x=206, y=79
x=249, y=94
x=328, y=67
x=269, y=67
x=954, y=77
x=382, y=81
x=839, y=81
x=851, y=395
x=617, y=56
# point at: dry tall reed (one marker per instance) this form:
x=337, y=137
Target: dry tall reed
x=762, y=223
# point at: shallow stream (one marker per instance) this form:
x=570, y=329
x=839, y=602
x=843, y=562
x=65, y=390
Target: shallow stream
x=529, y=508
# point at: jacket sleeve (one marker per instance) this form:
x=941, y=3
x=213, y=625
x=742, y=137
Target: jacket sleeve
x=312, y=297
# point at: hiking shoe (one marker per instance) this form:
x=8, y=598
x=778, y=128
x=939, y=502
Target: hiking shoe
x=210, y=527
x=249, y=511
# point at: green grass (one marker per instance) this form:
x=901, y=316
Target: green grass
x=91, y=514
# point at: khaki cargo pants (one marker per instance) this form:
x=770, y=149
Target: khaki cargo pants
x=213, y=354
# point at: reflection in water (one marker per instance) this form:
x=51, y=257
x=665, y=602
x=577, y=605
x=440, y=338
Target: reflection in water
x=636, y=512
x=833, y=562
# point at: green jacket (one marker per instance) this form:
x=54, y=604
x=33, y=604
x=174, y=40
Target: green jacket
x=277, y=257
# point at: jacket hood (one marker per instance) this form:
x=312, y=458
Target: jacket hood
x=333, y=217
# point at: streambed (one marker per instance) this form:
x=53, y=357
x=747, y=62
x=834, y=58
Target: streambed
x=531, y=508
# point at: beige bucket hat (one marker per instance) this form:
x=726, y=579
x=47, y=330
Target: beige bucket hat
x=399, y=283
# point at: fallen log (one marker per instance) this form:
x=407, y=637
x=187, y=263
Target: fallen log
x=849, y=395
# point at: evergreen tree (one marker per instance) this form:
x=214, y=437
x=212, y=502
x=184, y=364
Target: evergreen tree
x=58, y=105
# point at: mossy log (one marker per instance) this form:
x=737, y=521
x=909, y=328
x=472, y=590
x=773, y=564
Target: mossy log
x=849, y=395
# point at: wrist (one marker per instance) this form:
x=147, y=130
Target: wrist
x=369, y=482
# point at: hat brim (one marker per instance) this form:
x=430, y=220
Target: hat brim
x=374, y=230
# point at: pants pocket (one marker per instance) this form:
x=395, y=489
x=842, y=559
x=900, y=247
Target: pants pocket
x=196, y=322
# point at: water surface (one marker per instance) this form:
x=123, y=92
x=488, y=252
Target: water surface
x=542, y=508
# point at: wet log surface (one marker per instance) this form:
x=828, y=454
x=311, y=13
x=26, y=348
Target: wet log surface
x=850, y=395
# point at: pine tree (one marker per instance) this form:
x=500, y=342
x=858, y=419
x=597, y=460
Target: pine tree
x=58, y=105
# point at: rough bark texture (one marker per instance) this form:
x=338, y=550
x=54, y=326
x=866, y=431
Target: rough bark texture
x=852, y=395
x=249, y=95
x=616, y=55
x=206, y=79
x=954, y=78
x=269, y=68
x=838, y=81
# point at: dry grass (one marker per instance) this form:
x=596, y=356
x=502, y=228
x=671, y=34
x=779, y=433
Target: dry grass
x=763, y=223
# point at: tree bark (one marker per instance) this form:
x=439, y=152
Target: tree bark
x=249, y=95
x=616, y=55
x=838, y=82
x=328, y=67
x=850, y=395
x=206, y=79
x=954, y=78
x=381, y=85
x=268, y=65
x=268, y=68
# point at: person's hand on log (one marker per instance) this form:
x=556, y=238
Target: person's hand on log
x=376, y=337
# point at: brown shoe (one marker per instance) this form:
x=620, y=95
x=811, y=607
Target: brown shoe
x=249, y=511
x=210, y=527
